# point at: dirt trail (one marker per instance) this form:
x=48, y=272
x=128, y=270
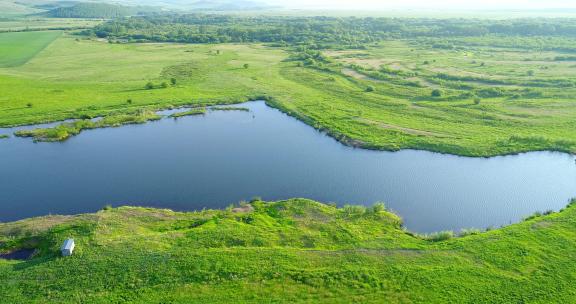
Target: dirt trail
x=403, y=129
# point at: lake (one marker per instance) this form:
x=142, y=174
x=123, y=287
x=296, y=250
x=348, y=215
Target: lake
x=224, y=157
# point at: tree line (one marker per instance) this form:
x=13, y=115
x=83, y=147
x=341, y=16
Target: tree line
x=350, y=31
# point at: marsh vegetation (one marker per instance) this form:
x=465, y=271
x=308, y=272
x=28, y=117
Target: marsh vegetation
x=479, y=90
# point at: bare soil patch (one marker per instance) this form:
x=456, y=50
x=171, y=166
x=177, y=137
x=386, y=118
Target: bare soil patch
x=243, y=209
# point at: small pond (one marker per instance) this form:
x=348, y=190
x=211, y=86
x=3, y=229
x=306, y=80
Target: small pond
x=223, y=157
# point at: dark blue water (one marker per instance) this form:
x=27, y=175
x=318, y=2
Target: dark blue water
x=224, y=157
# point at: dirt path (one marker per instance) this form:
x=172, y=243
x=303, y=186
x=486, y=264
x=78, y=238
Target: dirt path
x=403, y=129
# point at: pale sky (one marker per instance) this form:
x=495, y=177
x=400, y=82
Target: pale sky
x=423, y=4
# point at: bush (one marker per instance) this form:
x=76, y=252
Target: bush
x=477, y=101
x=379, y=207
x=29, y=105
x=439, y=236
x=173, y=80
x=149, y=85
x=129, y=101
x=370, y=89
x=354, y=210
x=536, y=214
x=436, y=93
x=164, y=85
x=472, y=231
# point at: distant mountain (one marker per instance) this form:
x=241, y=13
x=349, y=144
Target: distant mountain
x=203, y=5
x=224, y=5
x=97, y=10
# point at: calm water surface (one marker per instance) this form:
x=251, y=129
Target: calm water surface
x=223, y=157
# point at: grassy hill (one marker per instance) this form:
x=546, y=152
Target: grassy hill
x=288, y=251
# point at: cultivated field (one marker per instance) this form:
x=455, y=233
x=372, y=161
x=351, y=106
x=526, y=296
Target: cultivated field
x=17, y=48
x=40, y=23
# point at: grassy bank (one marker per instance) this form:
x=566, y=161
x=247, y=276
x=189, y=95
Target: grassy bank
x=67, y=130
x=289, y=251
x=192, y=112
x=492, y=100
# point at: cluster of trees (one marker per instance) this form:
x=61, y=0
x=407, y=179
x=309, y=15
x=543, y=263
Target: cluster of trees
x=308, y=57
x=150, y=85
x=348, y=31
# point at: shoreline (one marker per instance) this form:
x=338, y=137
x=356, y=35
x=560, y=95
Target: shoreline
x=272, y=103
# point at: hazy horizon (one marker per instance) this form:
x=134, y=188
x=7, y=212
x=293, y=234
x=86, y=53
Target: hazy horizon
x=420, y=4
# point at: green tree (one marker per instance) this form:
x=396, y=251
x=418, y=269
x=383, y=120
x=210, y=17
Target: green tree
x=173, y=81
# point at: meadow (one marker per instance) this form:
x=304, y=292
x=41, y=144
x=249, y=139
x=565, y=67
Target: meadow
x=17, y=48
x=288, y=251
x=38, y=23
x=470, y=99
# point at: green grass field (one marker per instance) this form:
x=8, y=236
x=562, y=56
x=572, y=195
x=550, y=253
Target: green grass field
x=17, y=48
x=524, y=104
x=292, y=251
x=40, y=23
x=468, y=96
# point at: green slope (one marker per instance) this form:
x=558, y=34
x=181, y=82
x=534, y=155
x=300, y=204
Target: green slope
x=290, y=251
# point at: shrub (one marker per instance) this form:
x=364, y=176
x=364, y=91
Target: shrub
x=477, y=101
x=246, y=66
x=436, y=93
x=379, y=207
x=354, y=210
x=533, y=216
x=164, y=85
x=129, y=101
x=173, y=80
x=370, y=89
x=472, y=231
x=439, y=236
x=256, y=199
x=149, y=85
x=29, y=105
